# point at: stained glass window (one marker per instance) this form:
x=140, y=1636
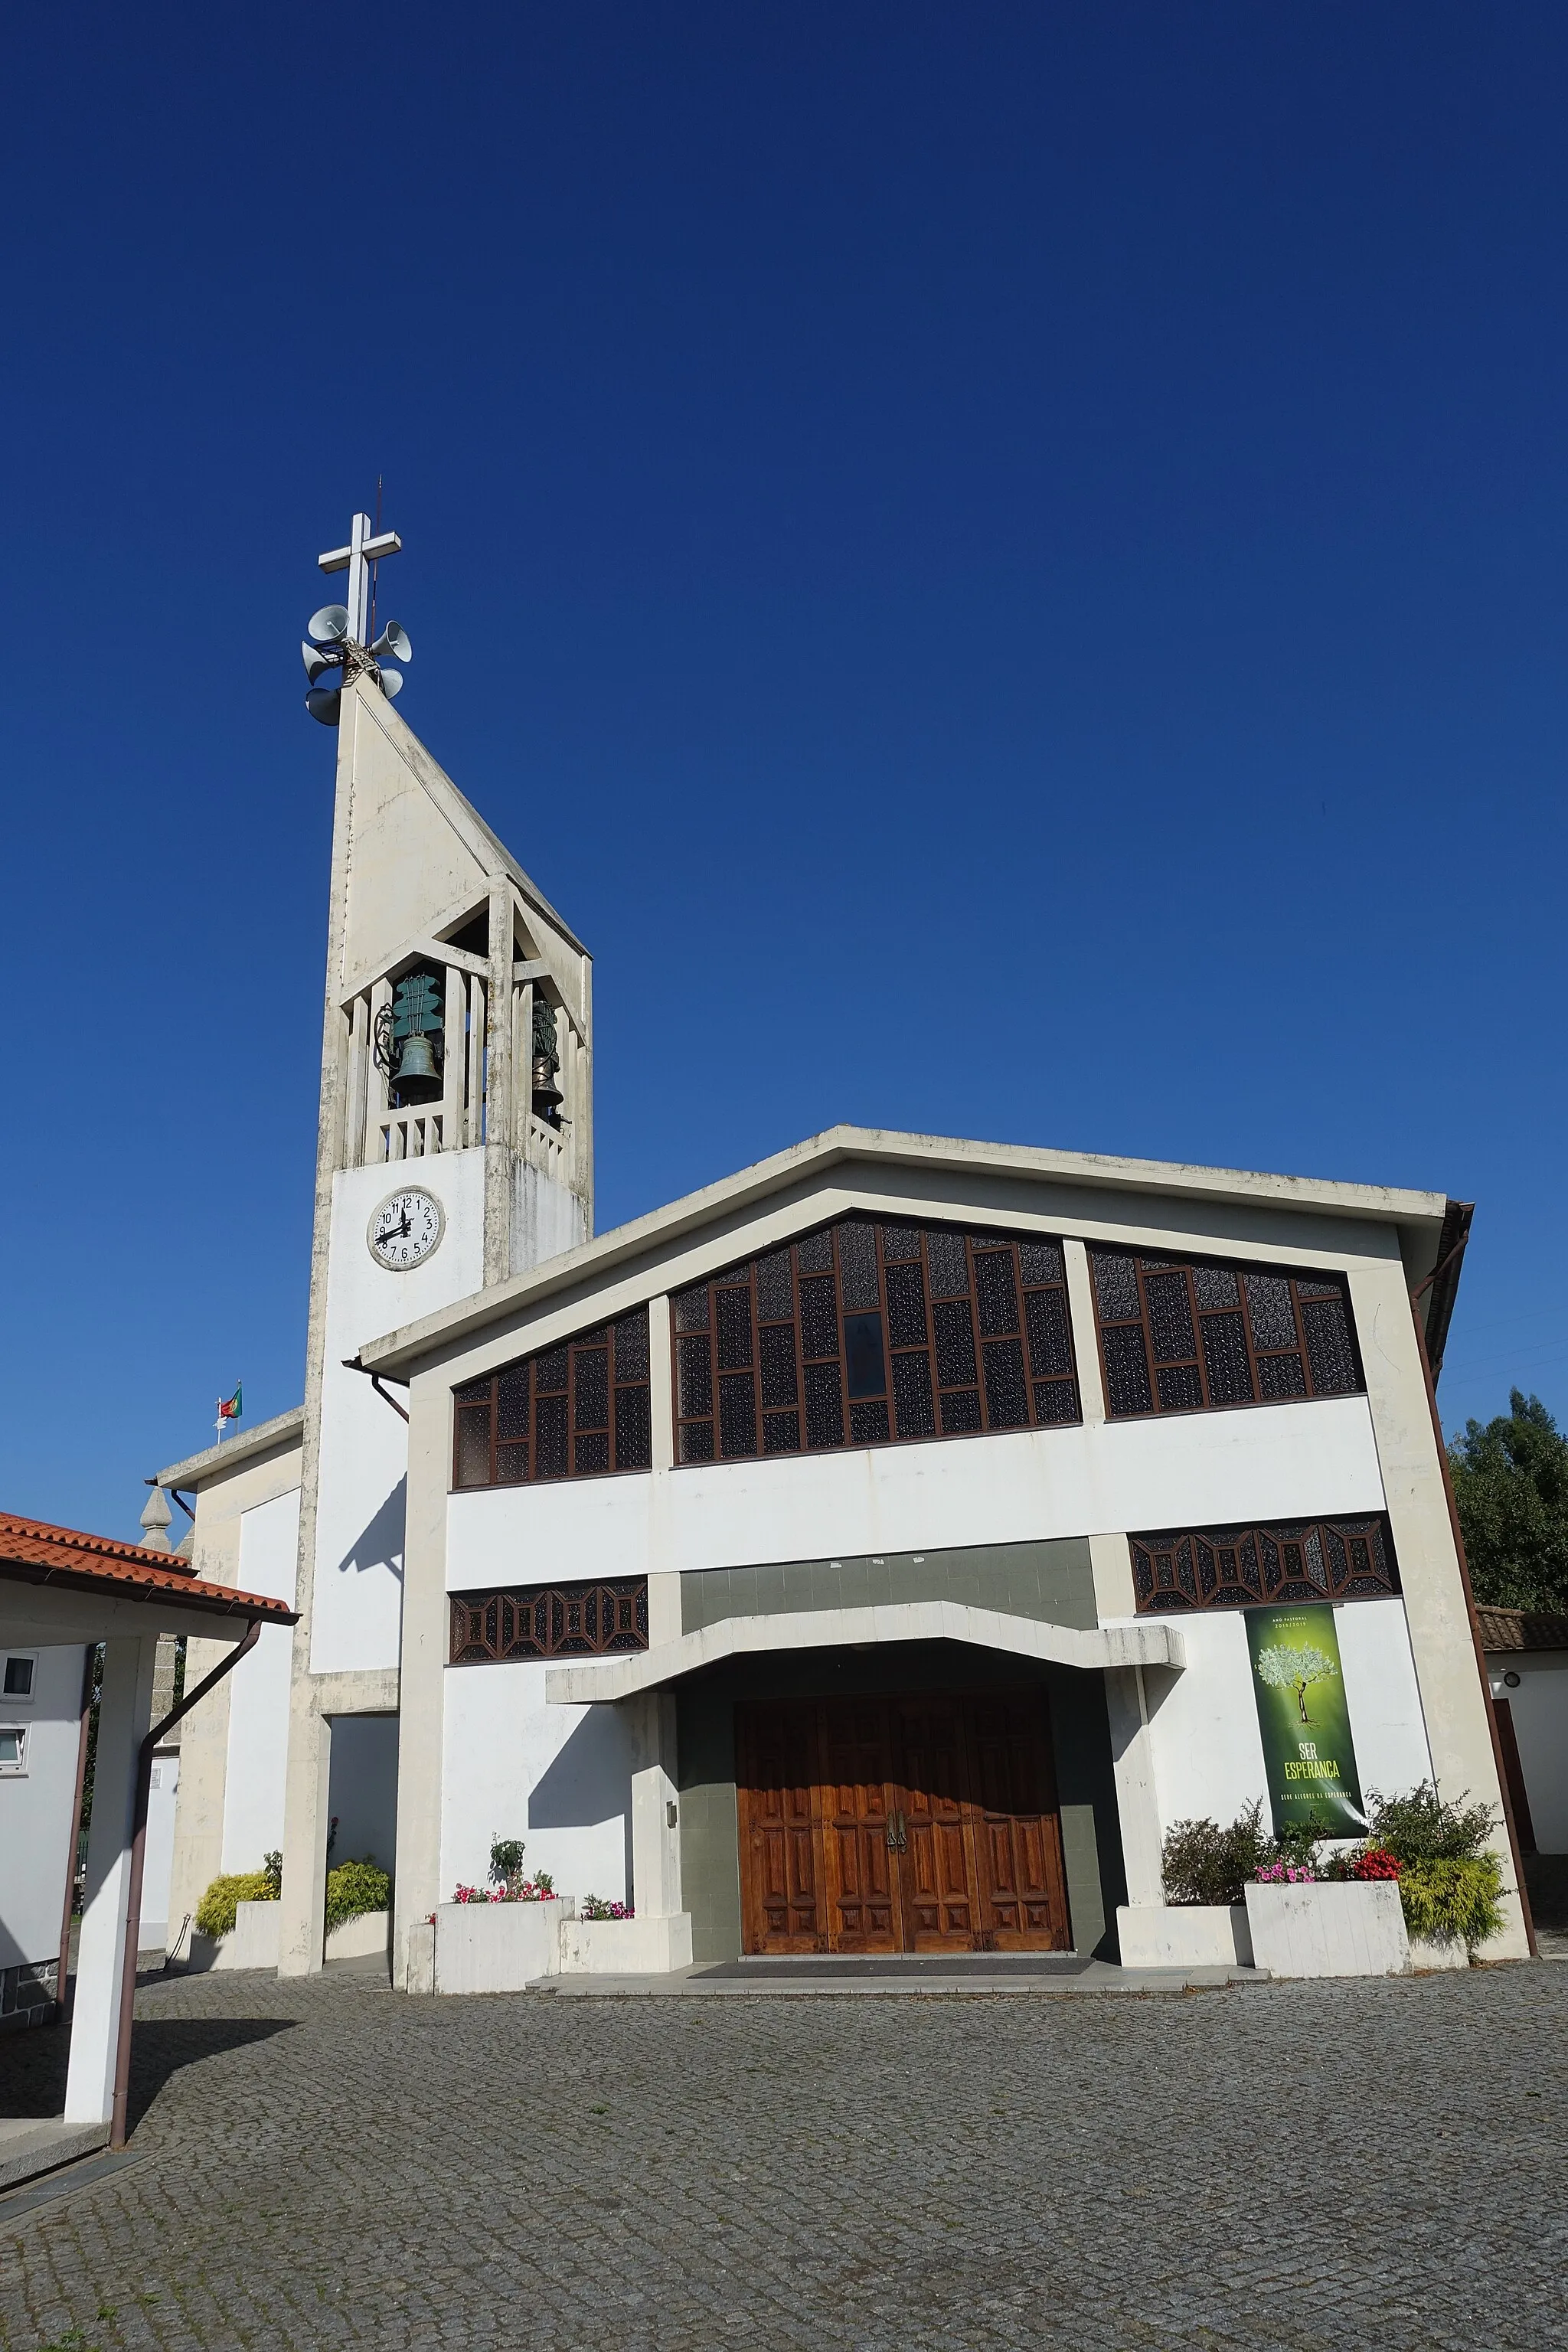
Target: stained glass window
x=552, y=1621
x=865, y=1333
x=1244, y=1567
x=575, y=1411
x=1180, y=1337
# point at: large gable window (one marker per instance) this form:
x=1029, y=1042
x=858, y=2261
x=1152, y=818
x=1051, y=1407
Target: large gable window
x=575, y=1411
x=1180, y=1336
x=865, y=1333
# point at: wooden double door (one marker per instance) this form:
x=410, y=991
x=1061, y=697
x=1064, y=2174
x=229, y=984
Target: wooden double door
x=926, y=1823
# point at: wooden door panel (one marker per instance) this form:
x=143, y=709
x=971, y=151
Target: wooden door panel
x=936, y=1858
x=777, y=1776
x=1017, y=1828
x=862, y=1895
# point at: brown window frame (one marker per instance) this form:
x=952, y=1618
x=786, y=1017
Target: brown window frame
x=812, y=1380
x=1202, y=1366
x=1250, y=1565
x=605, y=1617
x=510, y=1459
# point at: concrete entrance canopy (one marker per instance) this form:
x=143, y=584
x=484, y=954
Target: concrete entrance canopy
x=1151, y=1644
x=59, y=1587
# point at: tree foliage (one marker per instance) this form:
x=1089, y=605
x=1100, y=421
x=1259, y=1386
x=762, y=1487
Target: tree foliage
x=1510, y=1482
x=1295, y=1669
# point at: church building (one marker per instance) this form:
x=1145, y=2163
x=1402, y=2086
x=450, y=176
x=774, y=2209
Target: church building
x=877, y=1551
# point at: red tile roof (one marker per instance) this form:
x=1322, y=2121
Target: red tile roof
x=33, y=1552
x=1521, y=1629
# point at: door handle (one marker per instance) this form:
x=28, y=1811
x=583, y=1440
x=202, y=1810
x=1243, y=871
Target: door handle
x=898, y=1832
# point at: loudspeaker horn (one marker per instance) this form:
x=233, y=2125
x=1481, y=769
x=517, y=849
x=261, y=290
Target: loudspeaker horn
x=330, y=627
x=393, y=639
x=322, y=702
x=391, y=682
x=315, y=661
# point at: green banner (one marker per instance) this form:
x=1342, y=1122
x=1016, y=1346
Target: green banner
x=1305, y=1720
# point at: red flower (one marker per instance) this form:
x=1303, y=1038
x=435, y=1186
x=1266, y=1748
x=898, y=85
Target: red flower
x=1375, y=1863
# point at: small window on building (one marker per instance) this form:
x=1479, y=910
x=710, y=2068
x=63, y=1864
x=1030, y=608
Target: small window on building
x=1189, y=1335
x=13, y=1748
x=578, y=1410
x=1243, y=1567
x=20, y=1674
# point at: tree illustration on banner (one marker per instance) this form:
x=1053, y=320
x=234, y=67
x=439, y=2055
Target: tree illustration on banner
x=1295, y=1670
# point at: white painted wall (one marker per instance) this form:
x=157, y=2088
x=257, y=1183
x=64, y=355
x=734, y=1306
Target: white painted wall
x=546, y=1218
x=1203, y=1722
x=258, y=1690
x=1539, y=1711
x=1265, y=1462
x=158, y=1849
x=36, y=1841
x=557, y=1777
x=362, y=1788
x=358, y=1601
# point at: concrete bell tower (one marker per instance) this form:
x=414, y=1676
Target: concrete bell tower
x=454, y=1148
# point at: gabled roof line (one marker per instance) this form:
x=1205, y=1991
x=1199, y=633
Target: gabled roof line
x=838, y=1145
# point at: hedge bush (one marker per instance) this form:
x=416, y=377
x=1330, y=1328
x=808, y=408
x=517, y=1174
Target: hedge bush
x=353, y=1887
x=216, y=1910
x=1453, y=1900
x=1201, y=1863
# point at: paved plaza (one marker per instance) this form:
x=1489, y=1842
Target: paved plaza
x=1310, y=2166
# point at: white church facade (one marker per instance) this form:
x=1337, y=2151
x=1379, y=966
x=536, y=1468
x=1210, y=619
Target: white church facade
x=856, y=1556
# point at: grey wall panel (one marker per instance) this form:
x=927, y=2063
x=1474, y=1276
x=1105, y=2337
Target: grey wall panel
x=1051, y=1582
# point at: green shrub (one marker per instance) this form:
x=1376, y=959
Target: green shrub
x=215, y=1911
x=1420, y=1827
x=1201, y=1863
x=272, y=1872
x=353, y=1887
x=1452, y=1899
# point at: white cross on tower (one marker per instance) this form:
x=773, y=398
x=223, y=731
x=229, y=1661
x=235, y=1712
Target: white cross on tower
x=357, y=559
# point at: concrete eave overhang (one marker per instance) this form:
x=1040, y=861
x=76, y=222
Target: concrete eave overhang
x=403, y=1351
x=283, y=1429
x=1150, y=1644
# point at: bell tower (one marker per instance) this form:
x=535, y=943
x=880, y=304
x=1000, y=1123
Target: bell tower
x=454, y=1148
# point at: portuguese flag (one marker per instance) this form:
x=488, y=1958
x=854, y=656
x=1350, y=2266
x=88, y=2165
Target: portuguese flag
x=230, y=1408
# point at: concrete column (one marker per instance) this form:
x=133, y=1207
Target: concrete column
x=125, y=1714
x=1134, y=1764
x=1453, y=1694
x=422, y=1684
x=302, y=1923
x=1085, y=1330
x=655, y=1836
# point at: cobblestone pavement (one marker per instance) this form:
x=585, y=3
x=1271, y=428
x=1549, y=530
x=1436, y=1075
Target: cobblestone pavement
x=1313, y=2168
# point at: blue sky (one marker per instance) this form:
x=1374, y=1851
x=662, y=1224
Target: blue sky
x=1008, y=569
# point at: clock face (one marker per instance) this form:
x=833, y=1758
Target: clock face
x=406, y=1229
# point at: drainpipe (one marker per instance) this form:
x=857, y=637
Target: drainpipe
x=352, y=1364
x=138, y=1852
x=87, y=1664
x=1508, y=1822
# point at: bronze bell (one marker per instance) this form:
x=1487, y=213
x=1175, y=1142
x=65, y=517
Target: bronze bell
x=417, y=1078
x=547, y=1095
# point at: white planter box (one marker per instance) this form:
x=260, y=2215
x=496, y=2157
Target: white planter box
x=1433, y=1954
x=252, y=1942
x=1328, y=1928
x=497, y=1947
x=625, y=1948
x=362, y=1937
x=1185, y=1936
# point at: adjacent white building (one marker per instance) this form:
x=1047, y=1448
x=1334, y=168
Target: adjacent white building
x=856, y=1555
